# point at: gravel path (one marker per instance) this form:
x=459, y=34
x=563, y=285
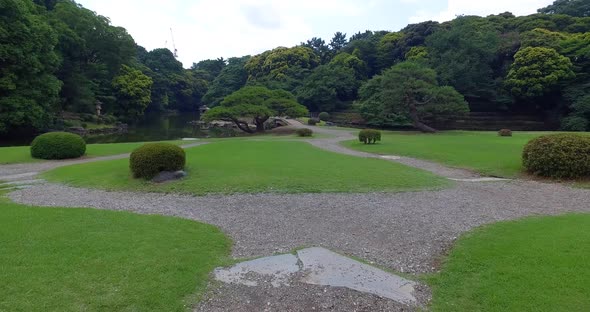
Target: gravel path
x=407, y=232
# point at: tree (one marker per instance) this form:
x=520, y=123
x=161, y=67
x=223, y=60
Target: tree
x=408, y=93
x=328, y=87
x=319, y=47
x=28, y=88
x=133, y=92
x=577, y=8
x=231, y=78
x=537, y=71
x=389, y=50
x=463, y=54
x=257, y=104
x=338, y=42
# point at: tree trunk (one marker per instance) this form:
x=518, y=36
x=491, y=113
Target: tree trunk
x=416, y=121
x=260, y=123
x=242, y=125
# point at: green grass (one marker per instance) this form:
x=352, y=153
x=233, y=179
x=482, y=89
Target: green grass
x=535, y=264
x=238, y=166
x=22, y=154
x=91, y=260
x=484, y=152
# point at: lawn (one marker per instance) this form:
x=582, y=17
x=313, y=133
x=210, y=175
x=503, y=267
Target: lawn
x=484, y=152
x=535, y=264
x=239, y=166
x=91, y=260
x=22, y=154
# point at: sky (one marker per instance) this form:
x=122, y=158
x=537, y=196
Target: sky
x=209, y=29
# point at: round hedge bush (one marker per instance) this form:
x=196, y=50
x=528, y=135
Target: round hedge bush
x=324, y=116
x=369, y=136
x=304, y=132
x=558, y=156
x=505, y=133
x=58, y=145
x=313, y=121
x=152, y=158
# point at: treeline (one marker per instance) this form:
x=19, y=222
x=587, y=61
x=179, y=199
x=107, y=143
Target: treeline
x=58, y=56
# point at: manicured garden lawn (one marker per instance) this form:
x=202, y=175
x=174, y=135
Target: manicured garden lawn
x=91, y=260
x=22, y=154
x=239, y=166
x=535, y=264
x=485, y=152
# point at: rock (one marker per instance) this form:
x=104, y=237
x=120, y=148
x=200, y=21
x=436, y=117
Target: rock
x=166, y=176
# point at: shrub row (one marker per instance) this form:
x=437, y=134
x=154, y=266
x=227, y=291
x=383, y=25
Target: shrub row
x=304, y=132
x=150, y=159
x=58, y=145
x=369, y=136
x=558, y=156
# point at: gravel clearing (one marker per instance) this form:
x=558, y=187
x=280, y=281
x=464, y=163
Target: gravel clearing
x=407, y=232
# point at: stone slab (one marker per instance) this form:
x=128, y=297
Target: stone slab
x=277, y=268
x=324, y=267
x=390, y=157
x=481, y=180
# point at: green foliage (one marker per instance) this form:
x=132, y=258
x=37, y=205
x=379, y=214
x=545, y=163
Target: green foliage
x=324, y=116
x=578, y=8
x=406, y=94
x=505, y=133
x=304, y=132
x=575, y=123
x=28, y=88
x=558, y=156
x=231, y=78
x=537, y=71
x=133, y=91
x=278, y=64
x=389, y=50
x=256, y=103
x=328, y=88
x=312, y=121
x=152, y=158
x=58, y=145
x=369, y=136
x=463, y=54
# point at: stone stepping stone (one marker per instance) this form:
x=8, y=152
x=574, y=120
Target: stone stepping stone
x=20, y=176
x=390, y=157
x=481, y=180
x=319, y=266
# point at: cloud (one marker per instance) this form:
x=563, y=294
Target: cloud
x=482, y=8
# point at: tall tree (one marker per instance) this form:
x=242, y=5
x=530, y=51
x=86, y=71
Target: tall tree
x=578, y=8
x=231, y=78
x=338, y=41
x=28, y=88
x=133, y=92
x=328, y=88
x=409, y=93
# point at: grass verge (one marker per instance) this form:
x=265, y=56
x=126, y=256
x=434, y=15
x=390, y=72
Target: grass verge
x=534, y=264
x=484, y=152
x=238, y=166
x=63, y=259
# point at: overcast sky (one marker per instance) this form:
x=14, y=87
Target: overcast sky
x=205, y=29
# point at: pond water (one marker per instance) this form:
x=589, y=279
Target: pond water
x=154, y=127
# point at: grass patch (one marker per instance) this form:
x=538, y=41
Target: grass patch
x=484, y=152
x=22, y=154
x=238, y=166
x=91, y=260
x=535, y=264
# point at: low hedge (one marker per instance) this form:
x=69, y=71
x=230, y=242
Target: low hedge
x=323, y=116
x=304, y=132
x=558, y=156
x=369, y=136
x=152, y=158
x=58, y=145
x=312, y=121
x=505, y=133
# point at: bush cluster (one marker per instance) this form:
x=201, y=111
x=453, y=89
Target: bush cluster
x=152, y=158
x=304, y=132
x=505, y=133
x=369, y=136
x=324, y=116
x=58, y=145
x=312, y=121
x=558, y=156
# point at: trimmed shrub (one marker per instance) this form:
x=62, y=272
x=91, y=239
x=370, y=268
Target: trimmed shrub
x=558, y=156
x=304, y=132
x=369, y=136
x=58, y=145
x=575, y=123
x=152, y=158
x=312, y=121
x=324, y=116
x=505, y=133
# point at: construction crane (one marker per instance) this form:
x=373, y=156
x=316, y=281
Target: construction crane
x=173, y=43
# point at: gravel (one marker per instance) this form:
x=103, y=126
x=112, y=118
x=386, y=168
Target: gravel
x=407, y=232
